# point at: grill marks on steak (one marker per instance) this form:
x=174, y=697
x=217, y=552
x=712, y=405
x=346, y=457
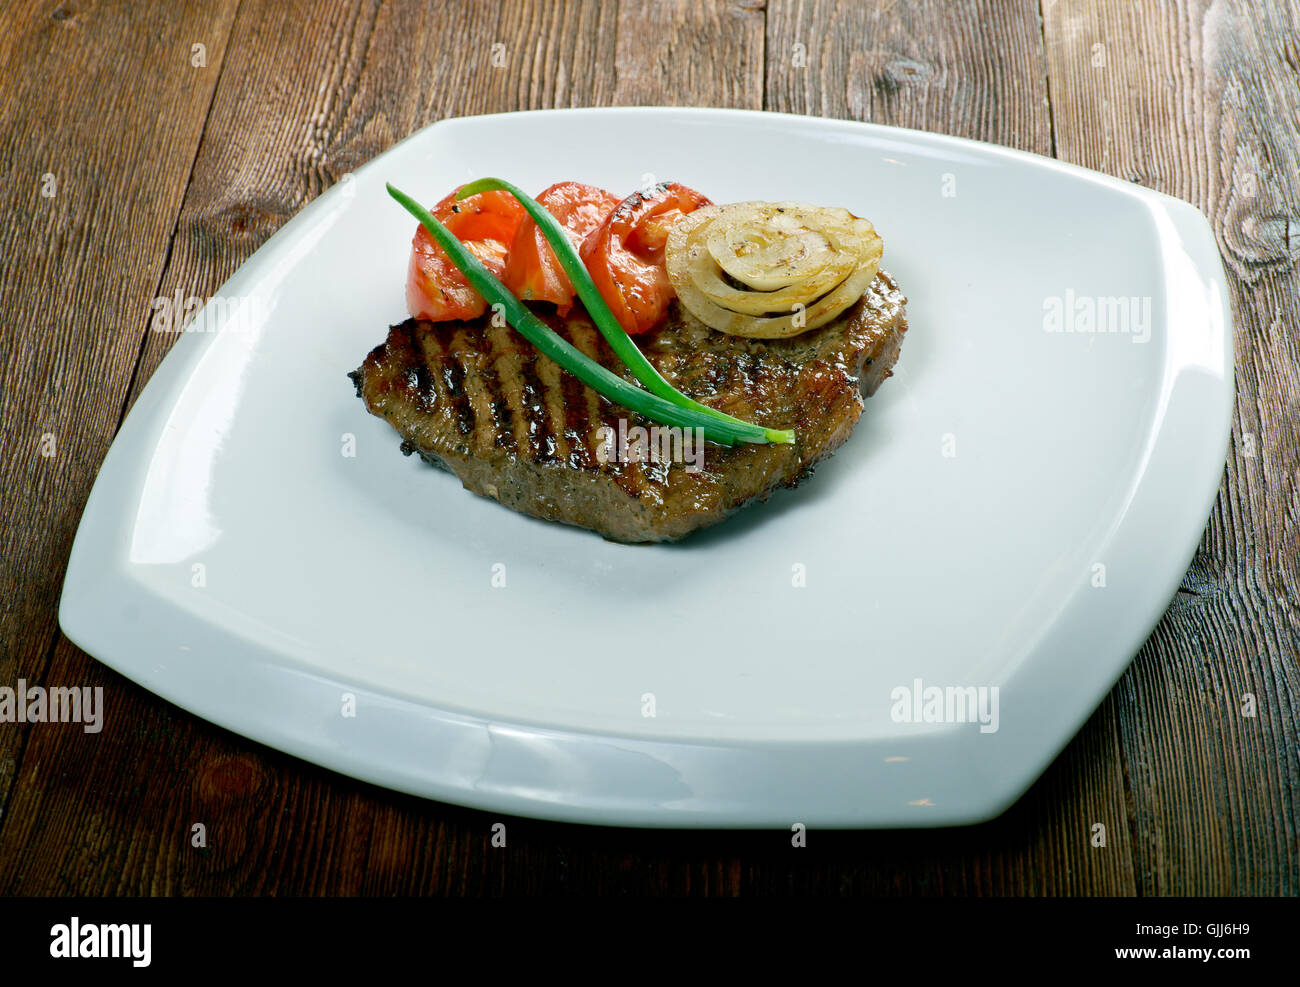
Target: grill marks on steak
x=480, y=401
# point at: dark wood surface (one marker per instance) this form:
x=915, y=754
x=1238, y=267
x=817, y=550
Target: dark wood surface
x=169, y=175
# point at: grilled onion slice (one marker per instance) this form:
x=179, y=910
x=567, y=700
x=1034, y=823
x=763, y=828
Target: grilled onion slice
x=770, y=269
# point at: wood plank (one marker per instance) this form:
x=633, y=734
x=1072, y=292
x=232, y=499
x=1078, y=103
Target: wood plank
x=971, y=69
x=686, y=53
x=105, y=102
x=299, y=105
x=1199, y=100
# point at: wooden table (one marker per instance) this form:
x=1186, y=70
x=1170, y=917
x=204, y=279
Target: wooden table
x=150, y=149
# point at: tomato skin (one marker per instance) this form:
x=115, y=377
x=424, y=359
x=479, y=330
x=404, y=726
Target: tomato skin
x=533, y=272
x=486, y=223
x=625, y=254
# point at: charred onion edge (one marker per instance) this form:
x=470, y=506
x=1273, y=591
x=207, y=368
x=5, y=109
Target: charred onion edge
x=587, y=370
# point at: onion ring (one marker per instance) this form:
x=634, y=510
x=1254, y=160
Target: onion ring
x=768, y=270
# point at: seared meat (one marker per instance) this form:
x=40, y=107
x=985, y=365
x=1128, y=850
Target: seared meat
x=480, y=401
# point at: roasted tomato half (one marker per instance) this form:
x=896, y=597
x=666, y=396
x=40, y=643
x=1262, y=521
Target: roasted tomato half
x=486, y=223
x=533, y=272
x=625, y=254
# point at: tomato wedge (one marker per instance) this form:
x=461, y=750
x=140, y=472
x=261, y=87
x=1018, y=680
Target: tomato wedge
x=532, y=271
x=486, y=223
x=625, y=254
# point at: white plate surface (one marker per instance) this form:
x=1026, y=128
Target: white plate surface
x=233, y=560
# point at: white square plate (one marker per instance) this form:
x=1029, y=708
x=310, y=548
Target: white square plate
x=1014, y=511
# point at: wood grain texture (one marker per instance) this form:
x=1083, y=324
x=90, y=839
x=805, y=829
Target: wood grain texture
x=1193, y=799
x=971, y=68
x=101, y=109
x=685, y=53
x=1200, y=100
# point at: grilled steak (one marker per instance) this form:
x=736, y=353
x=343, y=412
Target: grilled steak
x=480, y=401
